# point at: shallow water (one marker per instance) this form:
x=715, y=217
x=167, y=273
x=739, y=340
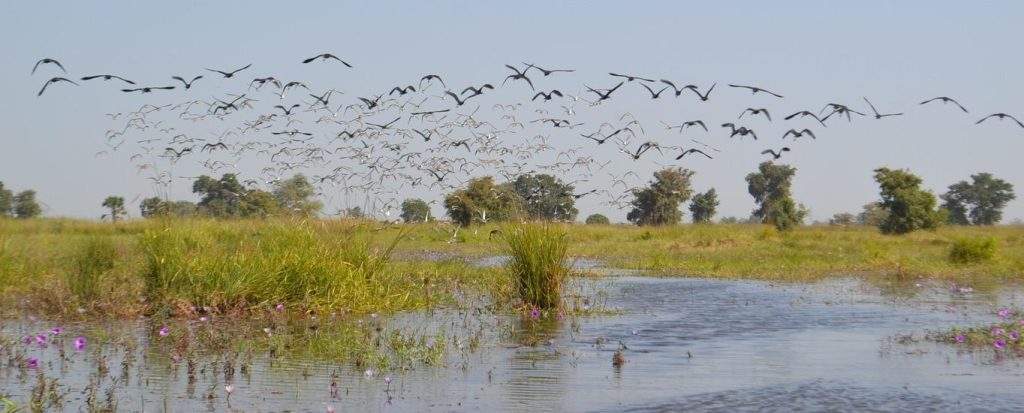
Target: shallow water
x=693, y=344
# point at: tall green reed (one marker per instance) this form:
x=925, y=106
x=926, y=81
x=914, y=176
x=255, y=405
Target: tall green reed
x=537, y=262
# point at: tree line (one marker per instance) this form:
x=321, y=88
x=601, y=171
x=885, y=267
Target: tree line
x=903, y=205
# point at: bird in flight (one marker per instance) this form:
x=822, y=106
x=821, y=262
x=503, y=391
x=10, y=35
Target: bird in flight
x=547, y=96
x=679, y=91
x=880, y=115
x=644, y=147
x=52, y=81
x=687, y=125
x=1000, y=116
x=756, y=111
x=654, y=95
x=147, y=89
x=517, y=76
x=385, y=126
x=401, y=90
x=799, y=133
x=704, y=97
x=755, y=89
x=742, y=130
x=547, y=72
x=47, y=60
x=775, y=155
x=607, y=94
x=188, y=84
x=479, y=90
x=325, y=57
x=231, y=73
x=108, y=77
x=630, y=78
x=946, y=99
x=458, y=102
x=692, y=150
x=428, y=78
x=804, y=113
x=287, y=111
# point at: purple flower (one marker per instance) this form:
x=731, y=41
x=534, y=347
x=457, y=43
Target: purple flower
x=535, y=313
x=32, y=363
x=1014, y=335
x=79, y=343
x=999, y=344
x=164, y=331
x=41, y=340
x=998, y=331
x=1004, y=313
x=960, y=338
x=279, y=307
x=56, y=331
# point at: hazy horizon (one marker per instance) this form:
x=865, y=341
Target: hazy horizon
x=895, y=53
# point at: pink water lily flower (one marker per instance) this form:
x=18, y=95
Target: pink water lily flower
x=1014, y=335
x=999, y=344
x=960, y=338
x=79, y=343
x=1004, y=313
x=56, y=331
x=32, y=363
x=998, y=331
x=535, y=313
x=164, y=331
x=41, y=340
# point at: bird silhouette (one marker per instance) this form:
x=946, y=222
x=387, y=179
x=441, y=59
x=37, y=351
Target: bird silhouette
x=799, y=133
x=547, y=72
x=547, y=96
x=693, y=150
x=1000, y=116
x=945, y=99
x=52, y=81
x=804, y=113
x=325, y=57
x=754, y=90
x=188, y=84
x=654, y=95
x=108, y=77
x=630, y=78
x=756, y=111
x=775, y=155
x=147, y=89
x=228, y=75
x=880, y=115
x=47, y=60
x=607, y=93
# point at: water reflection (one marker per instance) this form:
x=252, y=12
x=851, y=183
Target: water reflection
x=690, y=344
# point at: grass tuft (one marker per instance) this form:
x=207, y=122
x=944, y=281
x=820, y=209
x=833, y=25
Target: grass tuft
x=972, y=250
x=537, y=263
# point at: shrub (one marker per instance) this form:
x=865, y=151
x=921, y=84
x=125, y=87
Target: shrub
x=537, y=263
x=93, y=259
x=597, y=219
x=972, y=250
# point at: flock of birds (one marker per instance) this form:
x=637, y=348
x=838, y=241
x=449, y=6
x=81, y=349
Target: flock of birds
x=423, y=133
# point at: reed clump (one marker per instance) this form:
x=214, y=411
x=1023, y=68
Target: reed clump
x=538, y=262
x=222, y=266
x=972, y=250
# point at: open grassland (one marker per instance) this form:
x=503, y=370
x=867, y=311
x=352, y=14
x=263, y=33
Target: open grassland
x=350, y=266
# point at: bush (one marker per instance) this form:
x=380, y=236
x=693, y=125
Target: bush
x=537, y=262
x=597, y=219
x=972, y=250
x=93, y=259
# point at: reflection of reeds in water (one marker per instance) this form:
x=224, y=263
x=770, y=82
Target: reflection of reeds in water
x=537, y=262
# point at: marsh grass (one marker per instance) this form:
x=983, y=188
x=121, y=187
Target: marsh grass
x=972, y=250
x=538, y=264
x=92, y=262
x=208, y=264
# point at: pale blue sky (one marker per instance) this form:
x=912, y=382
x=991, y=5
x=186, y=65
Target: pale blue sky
x=895, y=52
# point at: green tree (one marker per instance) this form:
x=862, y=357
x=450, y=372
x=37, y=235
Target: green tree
x=415, y=210
x=704, y=206
x=597, y=219
x=546, y=197
x=843, y=219
x=6, y=201
x=257, y=203
x=979, y=202
x=658, y=204
x=116, y=206
x=219, y=198
x=910, y=208
x=26, y=206
x=156, y=207
x=771, y=188
x=482, y=201
x=294, y=196
x=872, y=215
